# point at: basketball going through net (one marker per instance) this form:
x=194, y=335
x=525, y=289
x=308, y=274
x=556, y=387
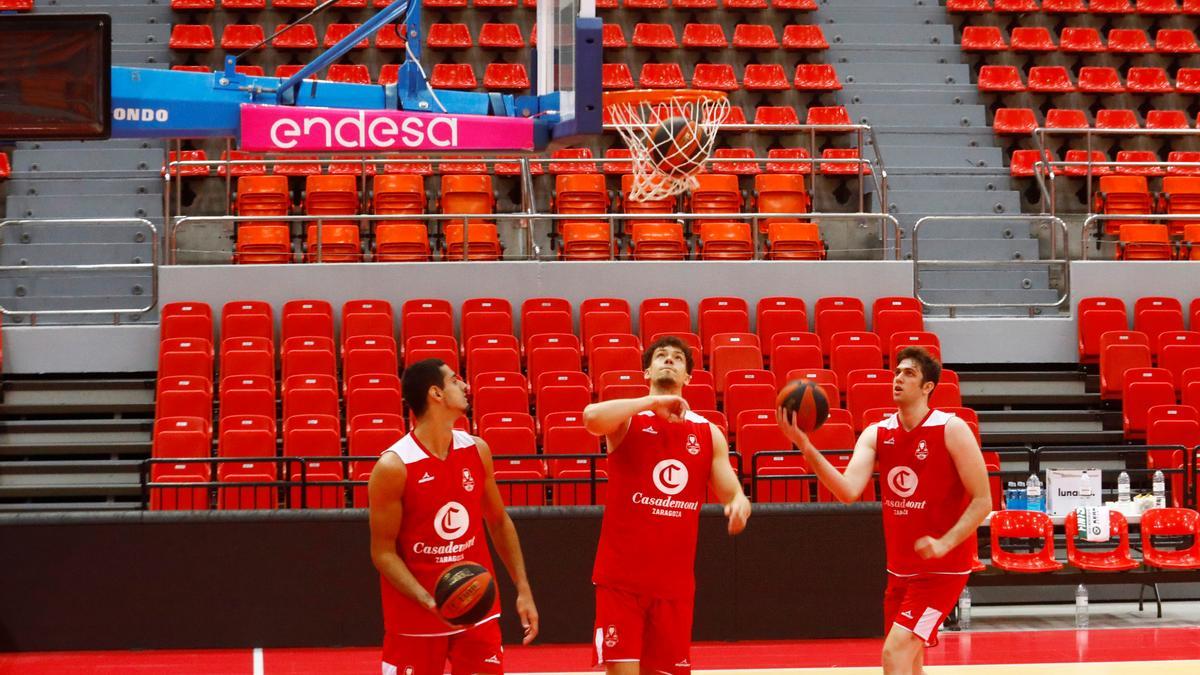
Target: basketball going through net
x=670, y=133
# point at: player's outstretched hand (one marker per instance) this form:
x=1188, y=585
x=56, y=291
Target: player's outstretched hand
x=928, y=547
x=528, y=614
x=738, y=512
x=668, y=407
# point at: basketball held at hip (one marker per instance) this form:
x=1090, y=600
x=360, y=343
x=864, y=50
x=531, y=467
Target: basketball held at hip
x=465, y=593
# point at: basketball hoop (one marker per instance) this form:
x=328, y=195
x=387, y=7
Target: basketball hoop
x=670, y=133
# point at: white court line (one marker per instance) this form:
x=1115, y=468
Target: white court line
x=258, y=661
x=1093, y=668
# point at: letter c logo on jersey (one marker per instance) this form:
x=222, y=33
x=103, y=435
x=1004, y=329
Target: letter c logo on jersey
x=902, y=480
x=451, y=521
x=670, y=476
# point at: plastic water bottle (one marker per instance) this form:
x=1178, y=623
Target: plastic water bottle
x=1123, y=487
x=1085, y=489
x=964, y=609
x=1036, y=501
x=1081, y=606
x=1160, y=490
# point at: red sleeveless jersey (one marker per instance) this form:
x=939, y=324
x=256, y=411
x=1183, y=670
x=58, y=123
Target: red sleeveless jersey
x=922, y=494
x=442, y=526
x=657, y=481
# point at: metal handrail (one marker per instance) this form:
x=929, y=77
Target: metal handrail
x=152, y=266
x=1039, y=138
x=1065, y=262
x=1090, y=221
x=530, y=216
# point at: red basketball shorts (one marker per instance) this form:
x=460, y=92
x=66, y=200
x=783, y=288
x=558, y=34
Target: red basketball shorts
x=475, y=650
x=920, y=604
x=654, y=632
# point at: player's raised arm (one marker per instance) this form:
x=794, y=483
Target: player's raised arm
x=846, y=486
x=611, y=418
x=385, y=491
x=968, y=460
x=508, y=546
x=726, y=485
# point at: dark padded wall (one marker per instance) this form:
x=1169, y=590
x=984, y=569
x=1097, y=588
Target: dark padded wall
x=157, y=580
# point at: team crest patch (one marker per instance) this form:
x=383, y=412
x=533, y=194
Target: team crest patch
x=922, y=450
x=610, y=637
x=468, y=480
x=693, y=444
x=408, y=670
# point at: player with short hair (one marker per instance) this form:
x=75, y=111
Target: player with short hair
x=661, y=458
x=935, y=494
x=430, y=495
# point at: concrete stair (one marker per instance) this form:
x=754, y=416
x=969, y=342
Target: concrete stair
x=904, y=75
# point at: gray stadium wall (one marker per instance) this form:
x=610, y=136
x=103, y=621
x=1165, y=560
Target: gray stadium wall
x=229, y=579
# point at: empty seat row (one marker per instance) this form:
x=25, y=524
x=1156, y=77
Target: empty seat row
x=1023, y=121
x=1079, y=40
x=1099, y=7
x=799, y=37
x=1077, y=162
x=1011, y=526
x=1149, y=81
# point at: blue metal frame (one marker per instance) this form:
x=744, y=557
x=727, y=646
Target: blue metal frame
x=169, y=104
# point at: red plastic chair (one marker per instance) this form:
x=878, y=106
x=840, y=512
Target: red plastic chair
x=1171, y=522
x=1115, y=560
x=1024, y=525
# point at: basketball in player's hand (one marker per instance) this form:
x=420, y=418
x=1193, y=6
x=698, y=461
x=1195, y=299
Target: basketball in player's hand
x=464, y=593
x=676, y=146
x=805, y=400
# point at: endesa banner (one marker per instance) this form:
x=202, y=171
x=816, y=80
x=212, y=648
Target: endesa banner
x=280, y=128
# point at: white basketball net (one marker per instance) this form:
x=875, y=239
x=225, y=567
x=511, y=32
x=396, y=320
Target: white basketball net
x=637, y=122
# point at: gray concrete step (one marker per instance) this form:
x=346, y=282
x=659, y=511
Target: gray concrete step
x=925, y=181
x=97, y=186
x=985, y=279
x=141, y=34
x=955, y=202
x=95, y=206
x=934, y=94
x=100, y=161
x=963, y=137
x=884, y=34
x=899, y=73
x=853, y=12
x=919, y=115
x=991, y=296
x=63, y=254
x=975, y=248
x=926, y=53
x=941, y=157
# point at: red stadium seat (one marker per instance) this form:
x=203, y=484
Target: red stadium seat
x=1050, y=80
x=982, y=39
x=754, y=36
x=804, y=37
x=654, y=36
x=1031, y=39
x=1143, y=388
x=186, y=320
x=612, y=37
x=661, y=76
x=704, y=36
x=765, y=77
x=1014, y=121
x=1171, y=522
x=1000, y=79
x=1120, y=351
x=186, y=37
x=306, y=318
x=1129, y=41
x=1117, y=559
x=449, y=36
x=1080, y=40
x=336, y=32
x=1024, y=525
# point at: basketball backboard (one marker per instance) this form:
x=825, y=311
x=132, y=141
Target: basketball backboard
x=567, y=71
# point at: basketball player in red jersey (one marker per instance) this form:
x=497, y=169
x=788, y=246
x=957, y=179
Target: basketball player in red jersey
x=661, y=458
x=430, y=496
x=935, y=494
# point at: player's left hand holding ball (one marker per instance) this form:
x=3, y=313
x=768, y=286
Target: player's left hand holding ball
x=738, y=512
x=528, y=613
x=928, y=547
